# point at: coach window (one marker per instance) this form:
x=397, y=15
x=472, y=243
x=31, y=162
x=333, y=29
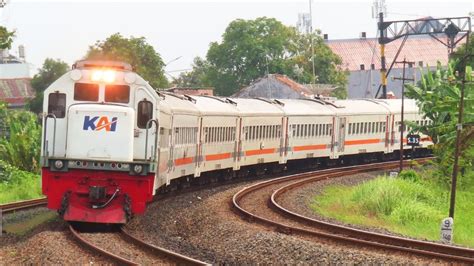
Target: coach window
x=144, y=113
x=117, y=93
x=86, y=92
x=57, y=104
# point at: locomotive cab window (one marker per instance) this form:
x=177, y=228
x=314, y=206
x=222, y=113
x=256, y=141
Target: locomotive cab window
x=144, y=113
x=117, y=93
x=86, y=92
x=57, y=104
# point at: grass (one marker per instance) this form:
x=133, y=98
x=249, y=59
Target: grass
x=16, y=185
x=412, y=204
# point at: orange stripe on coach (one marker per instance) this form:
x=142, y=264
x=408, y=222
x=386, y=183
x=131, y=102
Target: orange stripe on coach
x=362, y=141
x=310, y=147
x=258, y=152
x=219, y=156
x=183, y=161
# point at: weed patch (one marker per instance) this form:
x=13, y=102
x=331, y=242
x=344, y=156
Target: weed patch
x=412, y=204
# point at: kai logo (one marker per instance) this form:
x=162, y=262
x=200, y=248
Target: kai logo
x=97, y=123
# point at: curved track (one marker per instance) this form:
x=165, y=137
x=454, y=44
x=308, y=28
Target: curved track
x=268, y=211
x=20, y=205
x=144, y=253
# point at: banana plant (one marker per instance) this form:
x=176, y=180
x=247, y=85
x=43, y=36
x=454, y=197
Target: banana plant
x=438, y=96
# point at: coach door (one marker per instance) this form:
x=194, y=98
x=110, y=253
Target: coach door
x=342, y=134
x=145, y=110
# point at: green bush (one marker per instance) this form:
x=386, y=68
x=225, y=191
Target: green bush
x=379, y=196
x=414, y=211
x=18, y=185
x=22, y=147
x=409, y=175
x=383, y=195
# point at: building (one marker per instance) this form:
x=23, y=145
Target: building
x=15, y=80
x=361, y=57
x=282, y=87
x=192, y=90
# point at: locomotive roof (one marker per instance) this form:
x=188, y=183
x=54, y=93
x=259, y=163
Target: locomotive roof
x=258, y=107
x=306, y=107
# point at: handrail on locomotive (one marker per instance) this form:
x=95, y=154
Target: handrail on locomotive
x=148, y=125
x=46, y=143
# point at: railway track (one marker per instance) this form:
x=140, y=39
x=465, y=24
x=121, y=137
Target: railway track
x=21, y=205
x=129, y=250
x=270, y=212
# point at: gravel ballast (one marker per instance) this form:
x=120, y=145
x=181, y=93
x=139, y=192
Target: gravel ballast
x=48, y=244
x=202, y=225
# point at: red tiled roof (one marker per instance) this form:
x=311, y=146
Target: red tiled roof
x=355, y=52
x=292, y=84
x=16, y=91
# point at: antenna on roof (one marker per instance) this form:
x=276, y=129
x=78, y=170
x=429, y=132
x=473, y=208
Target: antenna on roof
x=378, y=7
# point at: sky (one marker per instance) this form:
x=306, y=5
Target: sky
x=181, y=30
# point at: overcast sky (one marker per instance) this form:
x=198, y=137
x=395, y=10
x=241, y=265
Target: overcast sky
x=64, y=29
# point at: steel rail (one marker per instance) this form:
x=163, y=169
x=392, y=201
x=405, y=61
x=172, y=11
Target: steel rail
x=20, y=205
x=331, y=173
x=460, y=252
x=111, y=256
x=173, y=256
x=179, y=258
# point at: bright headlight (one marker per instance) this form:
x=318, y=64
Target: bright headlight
x=97, y=75
x=108, y=76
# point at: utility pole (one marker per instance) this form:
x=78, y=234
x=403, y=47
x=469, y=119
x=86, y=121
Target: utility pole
x=312, y=41
x=402, y=122
x=458, y=132
x=383, y=69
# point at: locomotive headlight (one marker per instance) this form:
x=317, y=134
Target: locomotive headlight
x=58, y=164
x=108, y=76
x=137, y=169
x=97, y=75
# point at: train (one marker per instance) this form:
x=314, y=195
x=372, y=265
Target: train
x=111, y=142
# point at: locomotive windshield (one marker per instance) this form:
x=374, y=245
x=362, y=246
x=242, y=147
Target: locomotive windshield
x=86, y=92
x=117, y=93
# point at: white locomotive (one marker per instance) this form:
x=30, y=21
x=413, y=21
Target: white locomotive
x=110, y=141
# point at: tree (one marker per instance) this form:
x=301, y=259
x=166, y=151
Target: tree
x=251, y=48
x=51, y=70
x=248, y=47
x=6, y=38
x=461, y=51
x=327, y=64
x=437, y=95
x=197, y=77
x=135, y=51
